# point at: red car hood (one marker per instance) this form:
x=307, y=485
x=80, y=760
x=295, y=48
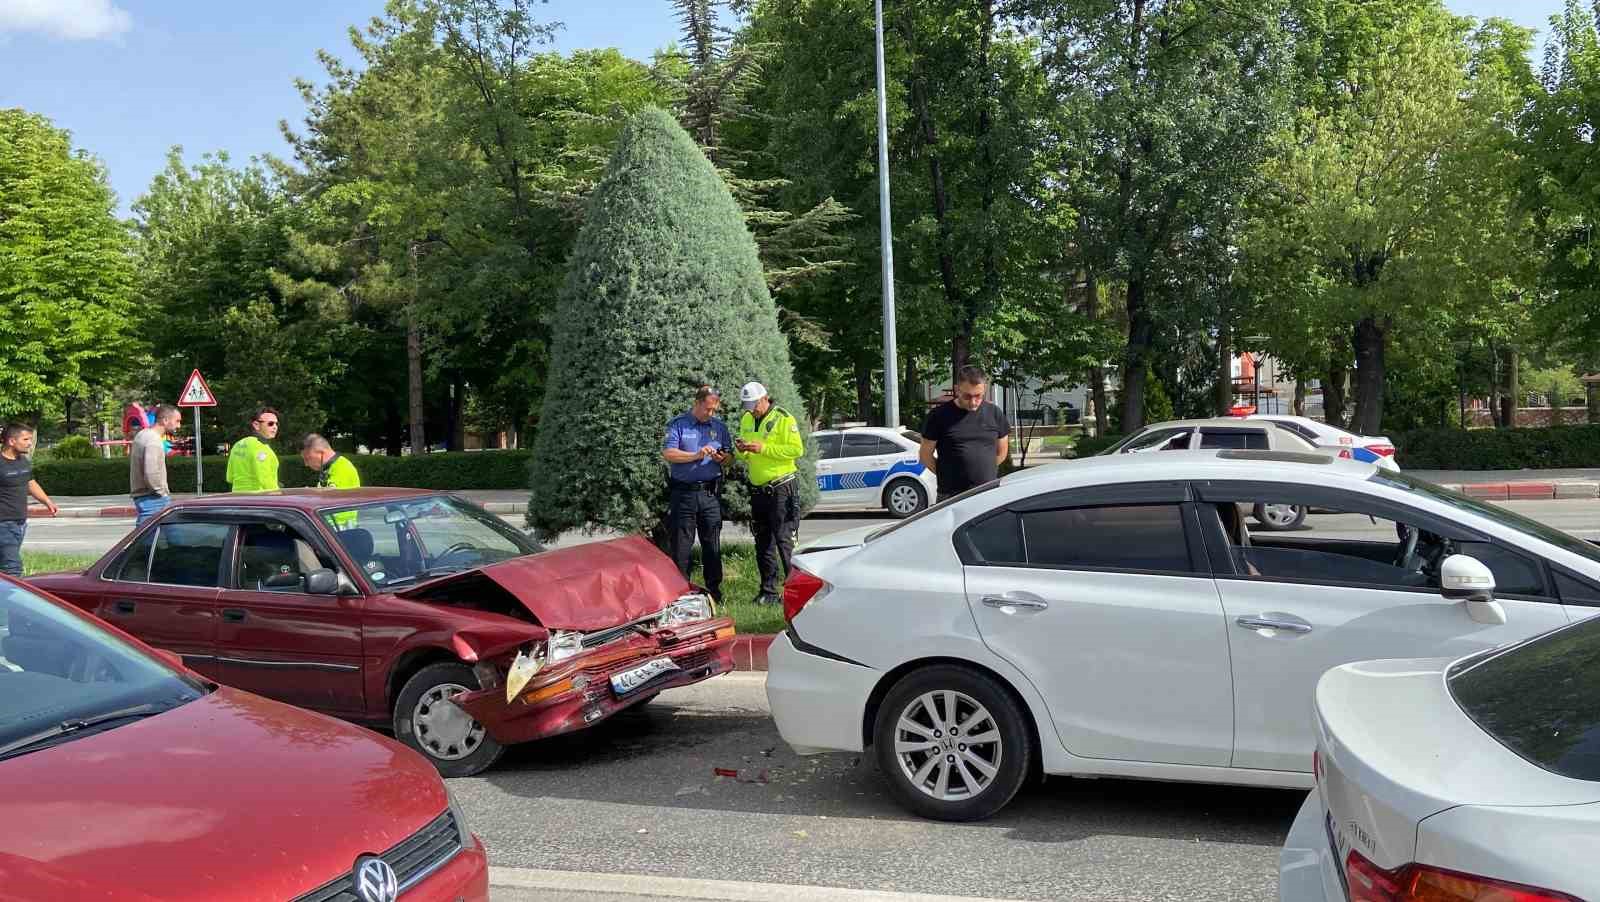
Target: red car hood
x=584, y=587
x=230, y=796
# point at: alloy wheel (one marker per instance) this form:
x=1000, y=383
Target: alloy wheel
x=948, y=745
x=903, y=499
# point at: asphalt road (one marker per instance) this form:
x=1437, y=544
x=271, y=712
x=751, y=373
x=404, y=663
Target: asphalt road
x=638, y=796
x=95, y=536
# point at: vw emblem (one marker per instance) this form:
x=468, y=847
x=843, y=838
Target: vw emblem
x=375, y=880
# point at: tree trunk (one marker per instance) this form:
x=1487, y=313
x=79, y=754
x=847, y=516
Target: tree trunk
x=1137, y=358
x=1333, y=397
x=1224, y=387
x=1497, y=411
x=1369, y=345
x=1513, y=398
x=1299, y=397
x=863, y=392
x=419, y=441
x=458, y=414
x=1097, y=374
x=911, y=399
x=961, y=341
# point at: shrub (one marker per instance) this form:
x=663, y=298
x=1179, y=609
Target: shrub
x=1498, y=449
x=73, y=447
x=664, y=293
x=1090, y=445
x=457, y=470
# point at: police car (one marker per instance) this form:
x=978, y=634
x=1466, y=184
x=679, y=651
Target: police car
x=873, y=466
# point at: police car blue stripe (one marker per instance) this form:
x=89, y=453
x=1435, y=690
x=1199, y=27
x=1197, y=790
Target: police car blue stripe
x=869, y=479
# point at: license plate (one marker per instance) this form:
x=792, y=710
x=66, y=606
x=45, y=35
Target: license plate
x=629, y=680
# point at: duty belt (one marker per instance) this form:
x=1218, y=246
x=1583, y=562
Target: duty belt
x=778, y=483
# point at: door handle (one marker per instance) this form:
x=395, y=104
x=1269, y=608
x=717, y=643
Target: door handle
x=123, y=606
x=233, y=615
x=1016, y=600
x=1273, y=623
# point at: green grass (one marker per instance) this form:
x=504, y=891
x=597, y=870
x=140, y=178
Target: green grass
x=1059, y=442
x=51, y=562
x=740, y=581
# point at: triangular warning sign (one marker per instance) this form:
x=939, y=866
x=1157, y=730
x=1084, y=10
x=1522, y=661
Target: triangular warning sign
x=196, y=393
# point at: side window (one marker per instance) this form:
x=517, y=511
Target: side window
x=1513, y=573
x=188, y=554
x=1238, y=439
x=274, y=557
x=1577, y=591
x=885, y=446
x=135, y=564
x=828, y=446
x=996, y=540
x=1153, y=439
x=858, y=445
x=1296, y=429
x=1133, y=537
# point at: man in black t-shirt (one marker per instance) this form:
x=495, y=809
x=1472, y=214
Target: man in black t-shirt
x=16, y=485
x=964, y=439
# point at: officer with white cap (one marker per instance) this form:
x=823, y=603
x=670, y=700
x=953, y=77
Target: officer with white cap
x=768, y=444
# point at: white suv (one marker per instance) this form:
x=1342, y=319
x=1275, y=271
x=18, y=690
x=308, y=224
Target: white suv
x=873, y=466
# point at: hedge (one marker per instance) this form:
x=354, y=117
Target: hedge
x=1090, y=445
x=457, y=470
x=1498, y=449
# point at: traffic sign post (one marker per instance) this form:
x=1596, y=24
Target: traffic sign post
x=197, y=394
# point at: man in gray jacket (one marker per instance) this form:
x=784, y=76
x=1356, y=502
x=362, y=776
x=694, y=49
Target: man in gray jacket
x=147, y=464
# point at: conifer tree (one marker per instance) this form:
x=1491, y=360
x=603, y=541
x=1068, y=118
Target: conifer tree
x=664, y=293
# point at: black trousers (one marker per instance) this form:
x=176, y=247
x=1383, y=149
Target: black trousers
x=775, y=521
x=693, y=510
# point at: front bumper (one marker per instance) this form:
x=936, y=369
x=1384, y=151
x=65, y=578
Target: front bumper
x=464, y=879
x=1308, y=871
x=576, y=693
x=818, y=703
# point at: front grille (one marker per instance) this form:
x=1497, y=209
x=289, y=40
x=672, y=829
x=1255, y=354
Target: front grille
x=414, y=858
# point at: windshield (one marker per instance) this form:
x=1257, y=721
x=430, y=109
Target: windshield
x=404, y=541
x=58, y=671
x=1505, y=516
x=1541, y=699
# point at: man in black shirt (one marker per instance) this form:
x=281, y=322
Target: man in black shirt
x=964, y=439
x=16, y=484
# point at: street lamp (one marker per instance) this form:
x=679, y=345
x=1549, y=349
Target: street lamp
x=891, y=378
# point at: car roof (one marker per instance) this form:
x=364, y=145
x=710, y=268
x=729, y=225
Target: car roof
x=1260, y=466
x=1231, y=422
x=304, y=498
x=870, y=430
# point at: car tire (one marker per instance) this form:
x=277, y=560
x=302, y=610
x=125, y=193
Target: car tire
x=1280, y=517
x=990, y=771
x=455, y=743
x=904, y=497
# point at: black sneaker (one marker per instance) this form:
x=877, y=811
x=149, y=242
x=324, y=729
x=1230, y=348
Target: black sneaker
x=764, y=599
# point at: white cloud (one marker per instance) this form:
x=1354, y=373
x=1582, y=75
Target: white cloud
x=74, y=20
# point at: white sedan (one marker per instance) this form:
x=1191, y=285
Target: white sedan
x=872, y=466
x=1472, y=780
x=1372, y=449
x=1113, y=616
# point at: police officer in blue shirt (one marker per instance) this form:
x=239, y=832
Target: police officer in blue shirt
x=696, y=446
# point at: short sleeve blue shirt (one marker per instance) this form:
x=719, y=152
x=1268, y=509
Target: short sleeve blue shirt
x=686, y=433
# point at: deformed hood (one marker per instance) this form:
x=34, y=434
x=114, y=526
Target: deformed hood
x=582, y=587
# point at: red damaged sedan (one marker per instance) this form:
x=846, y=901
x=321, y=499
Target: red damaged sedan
x=412, y=610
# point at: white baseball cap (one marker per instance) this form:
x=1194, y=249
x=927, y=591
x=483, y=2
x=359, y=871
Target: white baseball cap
x=750, y=394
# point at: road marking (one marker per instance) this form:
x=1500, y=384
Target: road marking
x=709, y=890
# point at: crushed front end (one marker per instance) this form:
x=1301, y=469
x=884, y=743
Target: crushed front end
x=577, y=679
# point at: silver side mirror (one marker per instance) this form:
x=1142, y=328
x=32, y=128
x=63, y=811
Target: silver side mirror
x=1465, y=578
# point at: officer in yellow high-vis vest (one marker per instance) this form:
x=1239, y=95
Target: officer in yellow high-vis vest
x=768, y=444
x=252, y=465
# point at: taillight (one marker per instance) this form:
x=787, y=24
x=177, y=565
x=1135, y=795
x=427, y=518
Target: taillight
x=1420, y=883
x=798, y=590
x=1382, y=450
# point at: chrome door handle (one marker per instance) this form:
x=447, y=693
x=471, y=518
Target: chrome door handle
x=1007, y=601
x=1269, y=623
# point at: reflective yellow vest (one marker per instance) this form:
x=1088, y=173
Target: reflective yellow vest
x=781, y=445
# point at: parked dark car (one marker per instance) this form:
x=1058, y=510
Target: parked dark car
x=413, y=610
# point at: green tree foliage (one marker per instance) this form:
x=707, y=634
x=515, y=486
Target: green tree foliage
x=664, y=293
x=67, y=320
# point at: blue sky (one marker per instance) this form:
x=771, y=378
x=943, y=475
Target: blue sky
x=130, y=78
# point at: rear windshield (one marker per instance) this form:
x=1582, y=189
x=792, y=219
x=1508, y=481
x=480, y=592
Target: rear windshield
x=1541, y=699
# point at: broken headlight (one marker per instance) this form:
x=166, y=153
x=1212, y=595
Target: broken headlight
x=687, y=609
x=564, y=644
x=523, y=668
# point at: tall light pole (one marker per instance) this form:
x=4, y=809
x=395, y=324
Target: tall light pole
x=891, y=370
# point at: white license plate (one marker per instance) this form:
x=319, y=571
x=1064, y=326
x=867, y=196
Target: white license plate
x=629, y=680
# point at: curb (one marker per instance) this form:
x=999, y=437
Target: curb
x=1527, y=491
x=750, y=651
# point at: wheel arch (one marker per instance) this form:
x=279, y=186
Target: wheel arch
x=896, y=479
x=409, y=664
